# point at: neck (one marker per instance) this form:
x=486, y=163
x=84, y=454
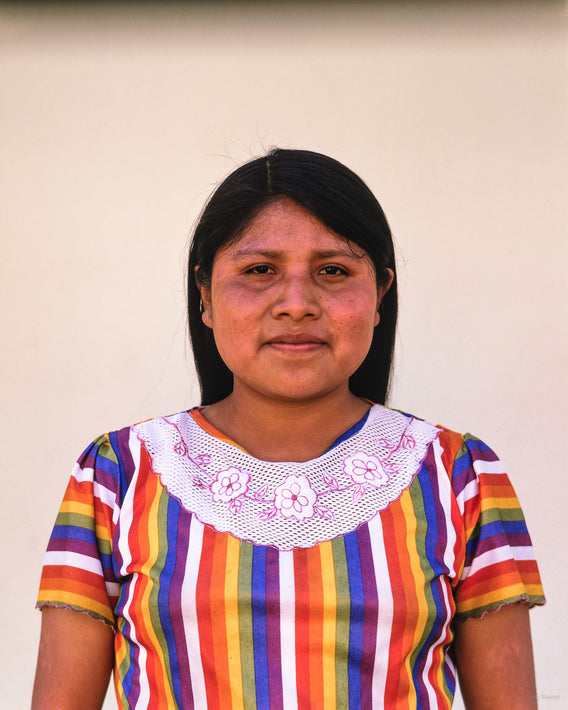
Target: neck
x=285, y=430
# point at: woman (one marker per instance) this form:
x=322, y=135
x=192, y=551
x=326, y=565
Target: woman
x=289, y=544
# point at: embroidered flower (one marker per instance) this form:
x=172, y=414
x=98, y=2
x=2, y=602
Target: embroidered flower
x=295, y=498
x=365, y=469
x=229, y=484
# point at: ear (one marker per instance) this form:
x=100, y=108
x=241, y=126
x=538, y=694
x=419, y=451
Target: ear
x=381, y=291
x=205, y=293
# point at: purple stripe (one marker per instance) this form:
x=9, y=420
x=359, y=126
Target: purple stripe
x=176, y=605
x=370, y=617
x=273, y=629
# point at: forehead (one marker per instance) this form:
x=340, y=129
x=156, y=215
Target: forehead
x=285, y=226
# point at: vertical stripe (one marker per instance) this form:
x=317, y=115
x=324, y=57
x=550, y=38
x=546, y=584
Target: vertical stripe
x=190, y=606
x=315, y=624
x=329, y=625
x=273, y=641
x=259, y=627
x=396, y=687
x=370, y=607
x=287, y=630
x=232, y=622
x=416, y=603
x=302, y=611
x=428, y=539
x=218, y=622
x=342, y=628
x=184, y=691
x=203, y=605
x=355, y=619
x=245, y=625
x=385, y=612
x=143, y=541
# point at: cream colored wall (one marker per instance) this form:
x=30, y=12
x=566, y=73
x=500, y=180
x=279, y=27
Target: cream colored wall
x=115, y=125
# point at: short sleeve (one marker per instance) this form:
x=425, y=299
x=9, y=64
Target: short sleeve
x=499, y=567
x=78, y=570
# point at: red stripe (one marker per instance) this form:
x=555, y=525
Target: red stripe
x=205, y=623
x=302, y=629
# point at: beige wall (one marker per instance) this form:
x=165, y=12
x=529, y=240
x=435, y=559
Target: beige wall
x=115, y=124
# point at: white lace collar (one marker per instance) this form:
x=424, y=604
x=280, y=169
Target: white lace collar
x=287, y=504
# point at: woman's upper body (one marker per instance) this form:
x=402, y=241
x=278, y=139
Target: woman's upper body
x=292, y=306
x=336, y=582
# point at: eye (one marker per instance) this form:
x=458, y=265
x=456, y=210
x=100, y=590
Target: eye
x=333, y=270
x=259, y=269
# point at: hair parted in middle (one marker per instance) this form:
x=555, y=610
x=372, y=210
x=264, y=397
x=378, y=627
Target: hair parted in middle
x=341, y=201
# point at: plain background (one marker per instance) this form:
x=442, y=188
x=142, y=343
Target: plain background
x=115, y=124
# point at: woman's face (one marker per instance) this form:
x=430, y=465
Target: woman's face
x=292, y=306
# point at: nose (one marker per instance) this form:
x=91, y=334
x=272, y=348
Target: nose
x=297, y=298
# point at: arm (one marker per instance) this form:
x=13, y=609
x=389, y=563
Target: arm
x=76, y=655
x=495, y=662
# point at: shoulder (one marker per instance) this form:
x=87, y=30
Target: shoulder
x=115, y=455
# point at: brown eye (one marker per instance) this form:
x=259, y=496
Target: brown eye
x=332, y=270
x=260, y=269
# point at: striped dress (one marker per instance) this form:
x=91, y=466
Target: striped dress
x=237, y=584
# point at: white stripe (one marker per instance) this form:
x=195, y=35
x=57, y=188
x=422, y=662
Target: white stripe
x=144, y=698
x=499, y=554
x=287, y=629
x=385, y=616
x=445, y=507
x=106, y=496
x=488, y=467
x=191, y=628
x=126, y=516
x=113, y=589
x=468, y=493
x=73, y=559
x=426, y=681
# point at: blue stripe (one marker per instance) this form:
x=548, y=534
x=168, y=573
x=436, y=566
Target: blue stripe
x=259, y=627
x=355, y=619
x=166, y=575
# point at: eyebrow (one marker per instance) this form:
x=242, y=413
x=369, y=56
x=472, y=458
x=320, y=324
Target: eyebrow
x=276, y=253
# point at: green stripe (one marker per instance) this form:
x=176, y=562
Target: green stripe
x=245, y=625
x=155, y=573
x=420, y=542
x=342, y=620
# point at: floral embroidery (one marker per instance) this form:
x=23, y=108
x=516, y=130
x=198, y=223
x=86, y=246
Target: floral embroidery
x=286, y=504
x=364, y=468
x=295, y=498
x=229, y=484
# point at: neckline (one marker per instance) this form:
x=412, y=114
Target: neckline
x=197, y=417
x=287, y=504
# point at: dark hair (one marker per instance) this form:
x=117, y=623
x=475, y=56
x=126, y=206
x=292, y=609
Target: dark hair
x=339, y=199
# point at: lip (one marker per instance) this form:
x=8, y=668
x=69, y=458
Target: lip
x=296, y=342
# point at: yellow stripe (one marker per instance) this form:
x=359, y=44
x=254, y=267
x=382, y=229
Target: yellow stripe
x=329, y=624
x=507, y=503
x=73, y=506
x=232, y=622
x=418, y=586
x=152, y=540
x=58, y=596
x=499, y=595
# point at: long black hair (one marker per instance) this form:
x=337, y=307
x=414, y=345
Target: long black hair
x=339, y=199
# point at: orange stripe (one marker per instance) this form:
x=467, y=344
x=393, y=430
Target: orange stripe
x=398, y=686
x=149, y=545
x=315, y=624
x=218, y=624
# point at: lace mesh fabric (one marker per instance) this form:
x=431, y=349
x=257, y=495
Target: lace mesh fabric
x=287, y=504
